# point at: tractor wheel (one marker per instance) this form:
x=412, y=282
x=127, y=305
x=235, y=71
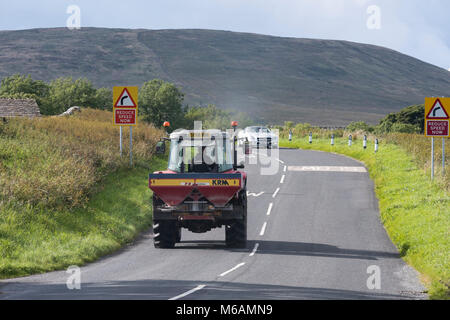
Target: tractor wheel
x=165, y=234
x=178, y=237
x=236, y=232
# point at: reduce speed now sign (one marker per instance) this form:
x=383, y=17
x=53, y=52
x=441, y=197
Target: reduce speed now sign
x=125, y=106
x=437, y=117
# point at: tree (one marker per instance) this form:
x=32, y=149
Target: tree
x=288, y=125
x=24, y=87
x=413, y=116
x=103, y=99
x=211, y=117
x=65, y=93
x=161, y=101
x=359, y=125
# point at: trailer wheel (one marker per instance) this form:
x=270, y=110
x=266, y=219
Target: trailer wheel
x=165, y=234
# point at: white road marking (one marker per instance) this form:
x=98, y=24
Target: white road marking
x=270, y=208
x=326, y=169
x=281, y=161
x=263, y=229
x=254, y=250
x=285, y=168
x=232, y=269
x=275, y=193
x=254, y=194
x=200, y=287
x=282, y=178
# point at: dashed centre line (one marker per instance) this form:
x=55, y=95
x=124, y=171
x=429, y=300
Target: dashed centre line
x=232, y=269
x=263, y=229
x=282, y=178
x=269, y=209
x=254, y=250
x=275, y=193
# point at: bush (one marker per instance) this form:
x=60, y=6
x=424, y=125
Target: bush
x=360, y=125
x=404, y=128
x=57, y=161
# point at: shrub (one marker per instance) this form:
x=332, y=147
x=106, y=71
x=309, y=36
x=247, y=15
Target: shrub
x=58, y=161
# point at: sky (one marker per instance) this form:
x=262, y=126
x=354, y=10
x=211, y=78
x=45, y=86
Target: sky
x=415, y=27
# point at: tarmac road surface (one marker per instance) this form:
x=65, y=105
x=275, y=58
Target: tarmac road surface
x=314, y=232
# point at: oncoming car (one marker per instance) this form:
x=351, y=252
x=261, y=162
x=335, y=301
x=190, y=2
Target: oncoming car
x=258, y=137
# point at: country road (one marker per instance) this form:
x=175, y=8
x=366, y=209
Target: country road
x=313, y=229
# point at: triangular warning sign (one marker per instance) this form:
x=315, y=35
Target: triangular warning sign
x=125, y=100
x=438, y=111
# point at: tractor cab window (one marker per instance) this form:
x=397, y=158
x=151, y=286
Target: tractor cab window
x=200, y=156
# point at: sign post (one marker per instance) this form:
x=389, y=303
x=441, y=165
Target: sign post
x=443, y=156
x=125, y=111
x=121, y=141
x=437, y=125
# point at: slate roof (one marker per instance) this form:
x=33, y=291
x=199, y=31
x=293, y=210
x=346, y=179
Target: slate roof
x=19, y=108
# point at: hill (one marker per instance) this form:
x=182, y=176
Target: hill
x=274, y=79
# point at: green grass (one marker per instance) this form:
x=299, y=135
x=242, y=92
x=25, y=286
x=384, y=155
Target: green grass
x=414, y=211
x=34, y=240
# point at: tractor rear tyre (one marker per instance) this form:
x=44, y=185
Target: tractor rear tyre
x=236, y=232
x=165, y=234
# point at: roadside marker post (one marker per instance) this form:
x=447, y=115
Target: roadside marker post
x=350, y=140
x=310, y=137
x=290, y=135
x=332, y=139
x=365, y=142
x=376, y=145
x=437, y=120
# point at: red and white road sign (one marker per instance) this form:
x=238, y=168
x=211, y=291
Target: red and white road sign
x=437, y=128
x=125, y=100
x=437, y=111
x=125, y=107
x=437, y=118
x=125, y=116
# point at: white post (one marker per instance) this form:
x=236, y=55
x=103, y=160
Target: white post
x=131, y=145
x=350, y=140
x=365, y=142
x=121, y=141
x=332, y=139
x=432, y=158
x=376, y=145
x=290, y=135
x=310, y=137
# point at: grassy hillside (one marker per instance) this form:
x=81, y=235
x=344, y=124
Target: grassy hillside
x=66, y=196
x=272, y=78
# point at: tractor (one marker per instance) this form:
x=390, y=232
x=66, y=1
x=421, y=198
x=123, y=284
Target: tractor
x=201, y=189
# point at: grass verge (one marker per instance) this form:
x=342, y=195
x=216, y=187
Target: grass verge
x=414, y=211
x=36, y=240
